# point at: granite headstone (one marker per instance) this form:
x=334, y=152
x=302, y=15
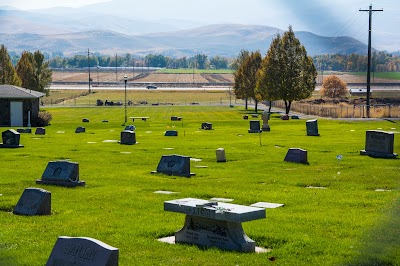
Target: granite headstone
x=80, y=130
x=40, y=131
x=11, y=139
x=176, y=165
x=296, y=155
x=254, y=126
x=82, y=251
x=221, y=157
x=265, y=118
x=312, y=127
x=34, y=201
x=61, y=173
x=128, y=137
x=171, y=133
x=379, y=144
x=206, y=126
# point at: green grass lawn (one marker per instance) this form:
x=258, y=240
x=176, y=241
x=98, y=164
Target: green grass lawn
x=348, y=223
x=384, y=75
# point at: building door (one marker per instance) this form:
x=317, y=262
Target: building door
x=16, y=114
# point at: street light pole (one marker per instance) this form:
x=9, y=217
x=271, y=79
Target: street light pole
x=126, y=80
x=88, y=56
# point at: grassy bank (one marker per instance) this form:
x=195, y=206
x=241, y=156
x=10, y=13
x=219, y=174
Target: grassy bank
x=347, y=223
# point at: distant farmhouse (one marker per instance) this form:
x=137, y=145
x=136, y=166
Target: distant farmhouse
x=17, y=104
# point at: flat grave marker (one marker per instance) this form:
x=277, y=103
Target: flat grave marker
x=82, y=251
x=267, y=205
x=34, y=201
x=214, y=224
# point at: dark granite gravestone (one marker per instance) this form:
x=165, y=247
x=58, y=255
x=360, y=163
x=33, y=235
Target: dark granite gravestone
x=130, y=128
x=171, y=133
x=82, y=251
x=215, y=224
x=296, y=155
x=206, y=126
x=221, y=157
x=177, y=165
x=10, y=139
x=295, y=117
x=245, y=117
x=34, y=201
x=40, y=131
x=85, y=120
x=61, y=173
x=176, y=118
x=128, y=137
x=265, y=118
x=285, y=117
x=254, y=126
x=80, y=130
x=312, y=127
x=379, y=144
x=24, y=130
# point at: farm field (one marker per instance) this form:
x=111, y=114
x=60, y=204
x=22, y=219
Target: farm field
x=337, y=212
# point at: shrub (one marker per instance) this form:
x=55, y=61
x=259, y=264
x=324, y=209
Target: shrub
x=334, y=87
x=43, y=119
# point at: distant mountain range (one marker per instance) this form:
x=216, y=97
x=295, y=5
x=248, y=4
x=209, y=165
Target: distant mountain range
x=72, y=32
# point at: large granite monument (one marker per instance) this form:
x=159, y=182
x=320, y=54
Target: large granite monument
x=379, y=144
x=214, y=224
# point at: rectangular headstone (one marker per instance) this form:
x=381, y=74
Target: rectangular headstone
x=312, y=127
x=177, y=165
x=171, y=133
x=34, y=201
x=11, y=139
x=80, y=130
x=221, y=157
x=62, y=173
x=128, y=137
x=254, y=126
x=206, y=126
x=379, y=144
x=296, y=155
x=40, y=131
x=176, y=118
x=82, y=251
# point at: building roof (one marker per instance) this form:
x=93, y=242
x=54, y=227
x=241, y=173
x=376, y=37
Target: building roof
x=14, y=92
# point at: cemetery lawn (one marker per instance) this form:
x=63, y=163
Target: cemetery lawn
x=346, y=222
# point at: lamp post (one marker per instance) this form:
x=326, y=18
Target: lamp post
x=126, y=80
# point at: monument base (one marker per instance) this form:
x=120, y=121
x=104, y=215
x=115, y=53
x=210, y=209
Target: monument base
x=266, y=128
x=313, y=135
x=378, y=154
x=7, y=146
x=254, y=131
x=128, y=143
x=174, y=174
x=61, y=183
x=208, y=232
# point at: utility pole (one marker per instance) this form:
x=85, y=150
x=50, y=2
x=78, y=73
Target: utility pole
x=370, y=10
x=88, y=61
x=116, y=67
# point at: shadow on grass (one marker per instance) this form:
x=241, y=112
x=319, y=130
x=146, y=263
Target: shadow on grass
x=381, y=245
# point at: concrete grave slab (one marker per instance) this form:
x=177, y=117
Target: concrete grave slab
x=267, y=205
x=221, y=199
x=166, y=192
x=82, y=251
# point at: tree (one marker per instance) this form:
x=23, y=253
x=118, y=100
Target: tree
x=238, y=76
x=295, y=71
x=8, y=74
x=333, y=87
x=24, y=70
x=201, y=61
x=245, y=85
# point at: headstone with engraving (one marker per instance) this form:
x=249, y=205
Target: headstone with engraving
x=34, y=201
x=40, y=131
x=254, y=126
x=214, y=224
x=10, y=139
x=312, y=127
x=265, y=118
x=379, y=144
x=82, y=251
x=128, y=137
x=61, y=173
x=171, y=133
x=206, y=126
x=176, y=165
x=221, y=157
x=80, y=130
x=296, y=155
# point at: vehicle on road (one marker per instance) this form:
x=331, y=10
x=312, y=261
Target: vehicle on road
x=151, y=87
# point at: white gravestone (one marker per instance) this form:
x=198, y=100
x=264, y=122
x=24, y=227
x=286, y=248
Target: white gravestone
x=214, y=224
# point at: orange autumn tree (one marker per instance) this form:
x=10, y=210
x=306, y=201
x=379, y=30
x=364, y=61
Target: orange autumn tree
x=334, y=87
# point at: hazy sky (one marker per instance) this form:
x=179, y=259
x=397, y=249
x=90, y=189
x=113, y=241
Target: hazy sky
x=323, y=17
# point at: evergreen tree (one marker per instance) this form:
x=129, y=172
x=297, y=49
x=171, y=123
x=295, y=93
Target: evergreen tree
x=8, y=75
x=238, y=76
x=24, y=70
x=42, y=74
